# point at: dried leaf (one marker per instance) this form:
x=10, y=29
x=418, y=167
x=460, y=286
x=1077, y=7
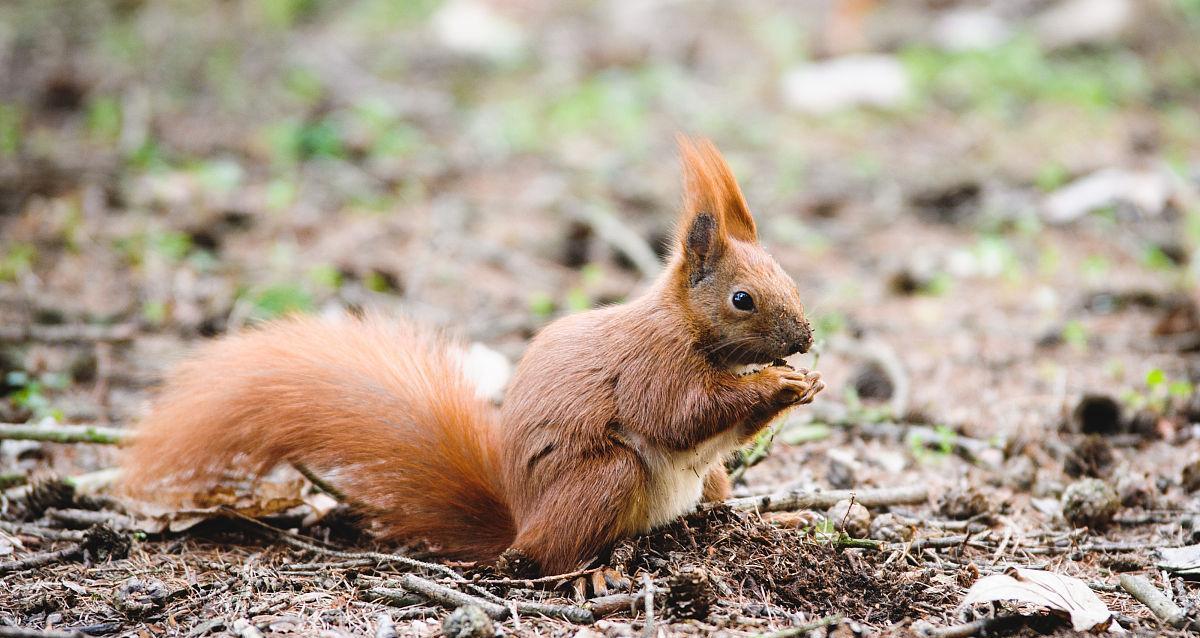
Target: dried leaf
x=1184, y=561
x=254, y=500
x=1051, y=592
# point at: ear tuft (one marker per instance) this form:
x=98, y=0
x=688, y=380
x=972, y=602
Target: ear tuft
x=709, y=186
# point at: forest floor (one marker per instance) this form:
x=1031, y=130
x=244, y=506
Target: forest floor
x=999, y=265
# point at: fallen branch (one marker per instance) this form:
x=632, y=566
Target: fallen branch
x=98, y=542
x=802, y=499
x=919, y=545
x=29, y=632
x=78, y=518
x=800, y=630
x=517, y=582
x=602, y=606
x=569, y=613
x=68, y=333
x=39, y=560
x=451, y=598
x=28, y=529
x=648, y=587
x=62, y=433
x=377, y=557
x=327, y=565
x=1162, y=607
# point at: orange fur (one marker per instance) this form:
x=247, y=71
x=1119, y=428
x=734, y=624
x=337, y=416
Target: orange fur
x=377, y=406
x=709, y=186
x=616, y=421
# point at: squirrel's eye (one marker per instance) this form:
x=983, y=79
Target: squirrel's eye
x=743, y=301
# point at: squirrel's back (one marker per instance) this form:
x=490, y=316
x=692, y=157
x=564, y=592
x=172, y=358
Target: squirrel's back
x=378, y=408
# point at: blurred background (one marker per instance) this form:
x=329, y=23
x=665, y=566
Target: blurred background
x=990, y=207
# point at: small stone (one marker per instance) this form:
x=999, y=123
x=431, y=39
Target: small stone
x=850, y=517
x=872, y=382
x=1020, y=473
x=1090, y=503
x=1146, y=423
x=1136, y=490
x=468, y=621
x=890, y=527
x=1092, y=457
x=847, y=82
x=137, y=598
x=843, y=471
x=964, y=502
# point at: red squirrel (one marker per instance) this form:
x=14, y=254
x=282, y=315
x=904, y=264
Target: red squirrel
x=617, y=420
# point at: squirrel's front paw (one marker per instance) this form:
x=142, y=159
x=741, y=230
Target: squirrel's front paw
x=793, y=387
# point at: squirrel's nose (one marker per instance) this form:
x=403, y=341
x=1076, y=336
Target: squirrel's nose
x=800, y=346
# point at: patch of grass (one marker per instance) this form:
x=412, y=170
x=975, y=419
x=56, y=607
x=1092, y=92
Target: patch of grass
x=280, y=299
x=388, y=14
x=281, y=194
x=173, y=245
x=541, y=305
x=282, y=14
x=1154, y=258
x=154, y=312
x=10, y=129
x=104, y=118
x=219, y=176
x=1159, y=392
x=17, y=260
x=1096, y=267
x=31, y=392
x=1052, y=176
x=1075, y=335
x=1019, y=73
x=304, y=85
x=294, y=142
x=325, y=276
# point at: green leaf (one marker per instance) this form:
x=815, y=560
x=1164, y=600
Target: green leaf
x=282, y=299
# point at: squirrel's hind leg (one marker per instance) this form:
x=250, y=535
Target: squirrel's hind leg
x=582, y=513
x=716, y=484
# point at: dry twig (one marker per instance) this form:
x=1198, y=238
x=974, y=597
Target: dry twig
x=800, y=630
x=62, y=433
x=1149, y=595
x=29, y=632
x=801, y=499
x=67, y=333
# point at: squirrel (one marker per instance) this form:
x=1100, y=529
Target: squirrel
x=617, y=420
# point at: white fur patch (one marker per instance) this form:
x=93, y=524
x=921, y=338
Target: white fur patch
x=677, y=478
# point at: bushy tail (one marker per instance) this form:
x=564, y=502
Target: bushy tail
x=378, y=408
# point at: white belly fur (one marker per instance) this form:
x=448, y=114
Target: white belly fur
x=677, y=478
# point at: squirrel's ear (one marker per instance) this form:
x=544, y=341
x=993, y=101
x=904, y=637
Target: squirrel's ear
x=710, y=188
x=702, y=245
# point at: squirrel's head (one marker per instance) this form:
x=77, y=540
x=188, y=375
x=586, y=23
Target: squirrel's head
x=743, y=308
